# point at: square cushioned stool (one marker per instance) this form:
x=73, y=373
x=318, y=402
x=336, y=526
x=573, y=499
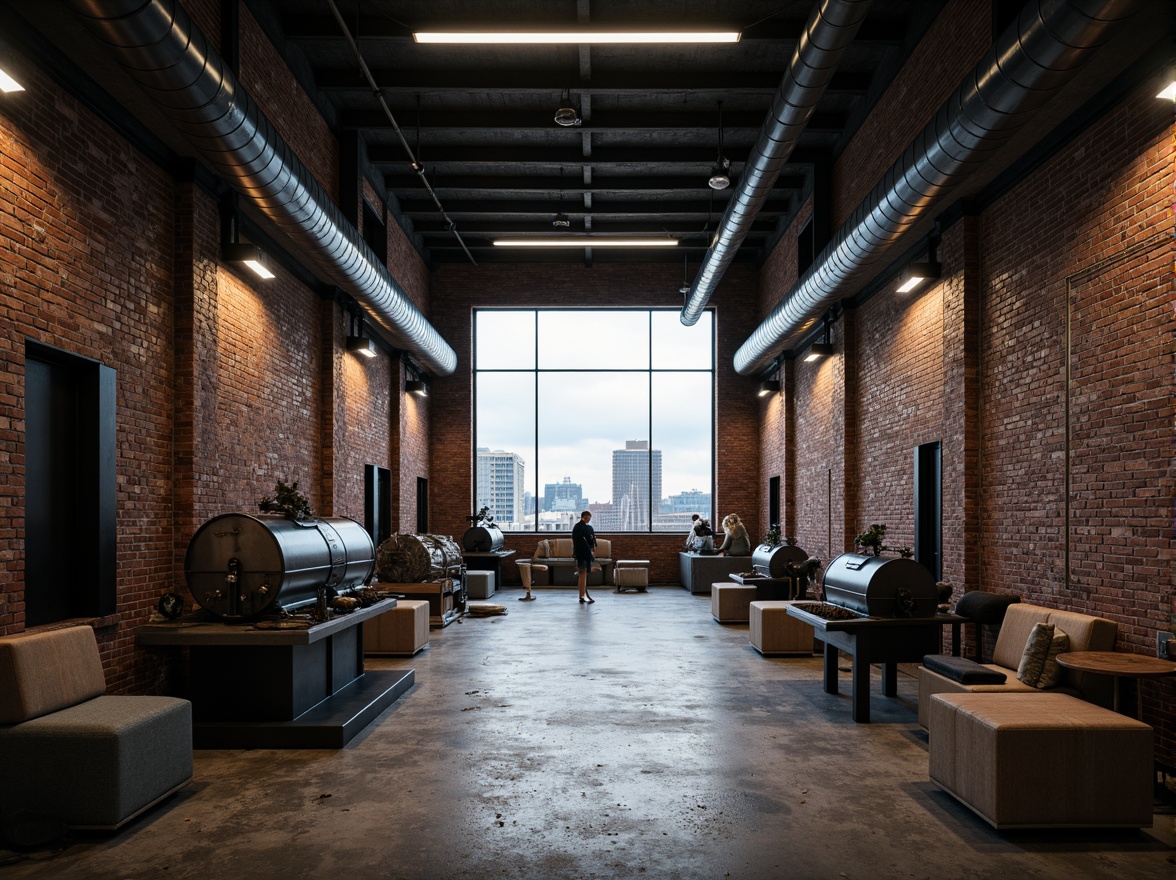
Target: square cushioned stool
x=774, y=631
x=731, y=603
x=479, y=584
x=402, y=630
x=1042, y=760
x=631, y=574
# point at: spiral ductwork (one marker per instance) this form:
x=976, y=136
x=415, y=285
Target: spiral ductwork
x=827, y=35
x=1037, y=55
x=160, y=47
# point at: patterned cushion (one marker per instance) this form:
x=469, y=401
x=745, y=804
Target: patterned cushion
x=1039, y=666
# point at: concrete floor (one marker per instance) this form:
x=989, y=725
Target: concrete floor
x=631, y=738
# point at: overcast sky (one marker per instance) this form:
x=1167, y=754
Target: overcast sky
x=587, y=415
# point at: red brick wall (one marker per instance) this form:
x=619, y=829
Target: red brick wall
x=956, y=41
x=458, y=289
x=85, y=266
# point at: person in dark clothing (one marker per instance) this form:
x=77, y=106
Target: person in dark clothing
x=583, y=543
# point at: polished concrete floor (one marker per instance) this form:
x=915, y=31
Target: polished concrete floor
x=631, y=738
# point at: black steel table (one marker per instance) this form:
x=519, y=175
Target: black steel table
x=490, y=560
x=885, y=640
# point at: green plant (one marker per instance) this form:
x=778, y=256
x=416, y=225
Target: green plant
x=287, y=500
x=482, y=518
x=772, y=538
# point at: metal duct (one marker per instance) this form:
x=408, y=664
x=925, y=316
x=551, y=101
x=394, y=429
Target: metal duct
x=1029, y=62
x=830, y=30
x=167, y=55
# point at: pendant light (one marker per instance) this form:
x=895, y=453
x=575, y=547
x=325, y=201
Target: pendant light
x=721, y=174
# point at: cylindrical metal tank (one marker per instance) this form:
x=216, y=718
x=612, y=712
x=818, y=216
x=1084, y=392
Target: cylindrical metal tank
x=773, y=561
x=482, y=539
x=881, y=586
x=240, y=565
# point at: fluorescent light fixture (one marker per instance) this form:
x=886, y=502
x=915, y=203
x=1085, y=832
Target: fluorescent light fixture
x=817, y=351
x=769, y=387
x=915, y=274
x=1169, y=91
x=417, y=387
x=361, y=345
x=8, y=84
x=584, y=36
x=250, y=256
x=584, y=241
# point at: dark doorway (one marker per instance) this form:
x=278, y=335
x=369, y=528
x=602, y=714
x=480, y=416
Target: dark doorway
x=377, y=502
x=774, y=504
x=69, y=487
x=422, y=525
x=929, y=507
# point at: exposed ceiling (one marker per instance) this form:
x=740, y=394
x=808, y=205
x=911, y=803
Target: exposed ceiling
x=481, y=119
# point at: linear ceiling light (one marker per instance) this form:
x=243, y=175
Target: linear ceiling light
x=577, y=36
x=583, y=241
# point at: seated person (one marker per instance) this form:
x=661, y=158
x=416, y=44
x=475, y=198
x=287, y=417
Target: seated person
x=704, y=537
x=691, y=537
x=737, y=542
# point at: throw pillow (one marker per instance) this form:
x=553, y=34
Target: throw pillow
x=1051, y=674
x=1039, y=666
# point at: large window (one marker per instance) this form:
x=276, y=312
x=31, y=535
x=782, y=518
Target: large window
x=592, y=409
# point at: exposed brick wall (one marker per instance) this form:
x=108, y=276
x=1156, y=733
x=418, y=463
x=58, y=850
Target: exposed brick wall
x=1085, y=238
x=85, y=266
x=955, y=43
x=458, y=289
x=270, y=83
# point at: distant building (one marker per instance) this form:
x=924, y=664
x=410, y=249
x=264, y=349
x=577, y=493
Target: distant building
x=693, y=501
x=636, y=478
x=563, y=496
x=500, y=486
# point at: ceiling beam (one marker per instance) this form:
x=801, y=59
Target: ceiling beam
x=641, y=159
x=570, y=187
x=507, y=207
x=439, y=122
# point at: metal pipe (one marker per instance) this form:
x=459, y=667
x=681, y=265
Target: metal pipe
x=160, y=47
x=1037, y=55
x=827, y=35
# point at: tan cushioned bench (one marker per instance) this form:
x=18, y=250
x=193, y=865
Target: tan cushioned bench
x=731, y=602
x=69, y=751
x=402, y=630
x=1041, y=760
x=557, y=555
x=1086, y=632
x=775, y=631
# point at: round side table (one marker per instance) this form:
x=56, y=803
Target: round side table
x=1119, y=666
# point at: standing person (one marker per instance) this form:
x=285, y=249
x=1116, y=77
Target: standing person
x=737, y=543
x=583, y=543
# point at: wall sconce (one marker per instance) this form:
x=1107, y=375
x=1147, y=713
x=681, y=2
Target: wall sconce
x=357, y=343
x=417, y=387
x=8, y=83
x=248, y=255
x=916, y=273
x=769, y=387
x=820, y=350
x=1168, y=92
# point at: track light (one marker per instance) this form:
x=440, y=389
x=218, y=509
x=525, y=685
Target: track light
x=416, y=387
x=248, y=255
x=915, y=274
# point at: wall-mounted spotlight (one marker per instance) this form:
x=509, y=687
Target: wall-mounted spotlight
x=417, y=387
x=8, y=83
x=357, y=342
x=820, y=350
x=1168, y=92
x=769, y=387
x=916, y=274
x=248, y=255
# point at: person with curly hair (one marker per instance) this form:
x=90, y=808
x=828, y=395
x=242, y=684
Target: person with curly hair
x=737, y=542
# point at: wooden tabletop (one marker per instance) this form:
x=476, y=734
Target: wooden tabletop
x=1116, y=663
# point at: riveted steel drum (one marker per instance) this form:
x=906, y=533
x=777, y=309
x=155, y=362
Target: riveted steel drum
x=240, y=565
x=482, y=539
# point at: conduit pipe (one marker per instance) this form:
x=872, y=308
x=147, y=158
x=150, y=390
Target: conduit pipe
x=158, y=45
x=830, y=30
x=1037, y=55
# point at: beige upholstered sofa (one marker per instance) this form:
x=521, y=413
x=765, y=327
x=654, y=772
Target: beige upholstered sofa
x=556, y=554
x=1086, y=632
x=69, y=751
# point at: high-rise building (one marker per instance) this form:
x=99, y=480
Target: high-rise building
x=500, y=485
x=563, y=496
x=636, y=477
